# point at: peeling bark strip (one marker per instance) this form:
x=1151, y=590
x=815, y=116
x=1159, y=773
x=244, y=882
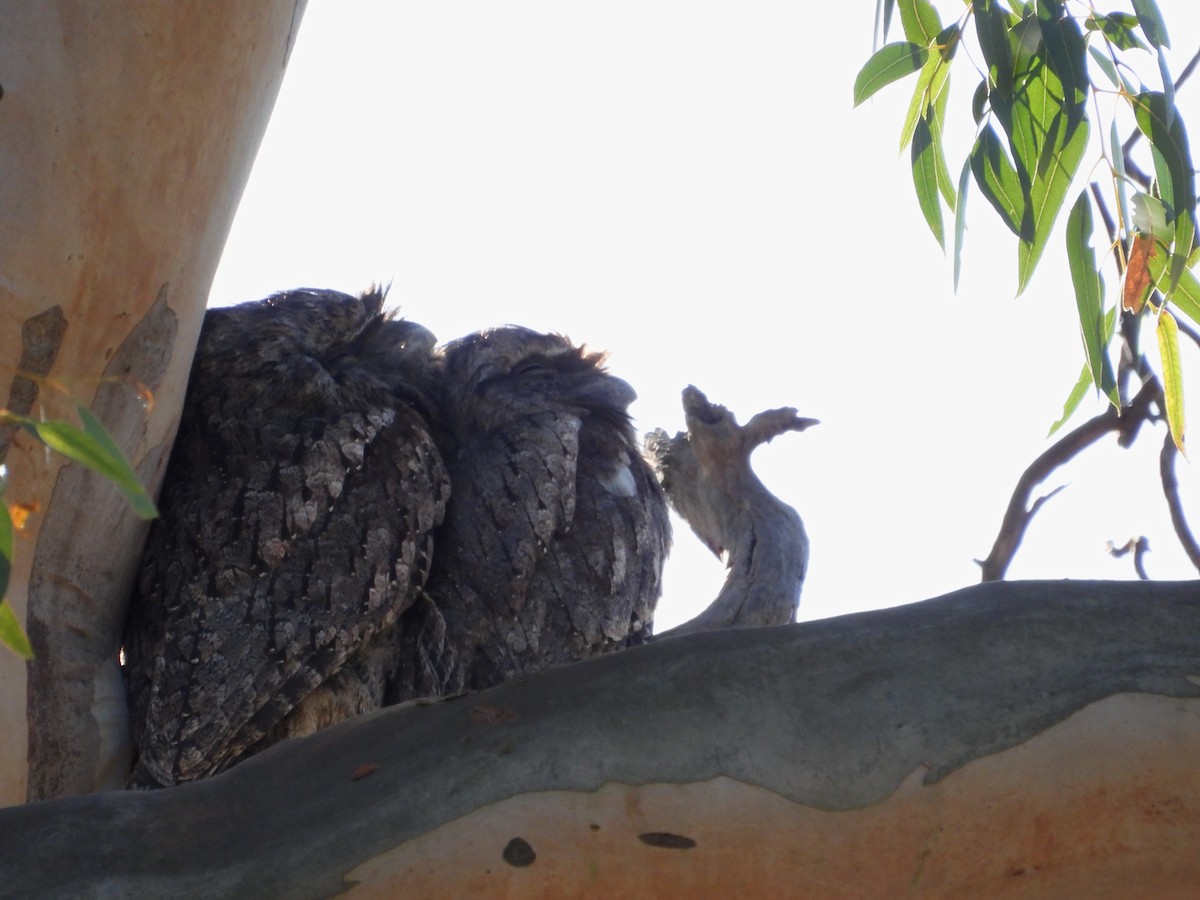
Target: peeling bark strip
x=79, y=733
x=707, y=476
x=41, y=336
x=831, y=722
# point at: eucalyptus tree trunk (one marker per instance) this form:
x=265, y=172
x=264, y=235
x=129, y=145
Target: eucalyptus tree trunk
x=127, y=133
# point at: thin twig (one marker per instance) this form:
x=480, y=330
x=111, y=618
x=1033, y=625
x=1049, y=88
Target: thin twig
x=1020, y=510
x=1139, y=547
x=1166, y=469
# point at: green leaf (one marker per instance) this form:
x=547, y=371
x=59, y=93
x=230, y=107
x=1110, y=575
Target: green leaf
x=992, y=28
x=1047, y=131
x=1173, y=171
x=1085, y=383
x=1168, y=84
x=1150, y=217
x=1186, y=295
x=1118, y=163
x=931, y=84
x=1089, y=297
x=920, y=21
x=1106, y=65
x=891, y=63
x=997, y=179
x=926, y=155
x=1065, y=54
x=960, y=219
x=121, y=473
x=936, y=115
x=979, y=102
x=93, y=448
x=1120, y=29
x=1046, y=196
x=1082, y=386
x=1152, y=22
x=11, y=634
x=1168, y=348
x=883, y=20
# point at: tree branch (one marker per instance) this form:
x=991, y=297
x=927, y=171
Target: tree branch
x=1170, y=484
x=570, y=782
x=1021, y=511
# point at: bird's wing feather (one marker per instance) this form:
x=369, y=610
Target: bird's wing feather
x=316, y=554
x=515, y=494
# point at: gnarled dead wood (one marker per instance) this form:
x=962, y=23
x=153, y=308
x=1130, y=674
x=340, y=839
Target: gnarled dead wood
x=707, y=476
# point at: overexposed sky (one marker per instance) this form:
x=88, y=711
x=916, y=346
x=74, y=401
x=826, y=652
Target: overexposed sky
x=686, y=186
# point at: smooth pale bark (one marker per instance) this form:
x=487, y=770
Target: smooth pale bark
x=127, y=133
x=1014, y=739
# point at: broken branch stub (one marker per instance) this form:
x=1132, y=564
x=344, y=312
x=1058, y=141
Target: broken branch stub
x=707, y=476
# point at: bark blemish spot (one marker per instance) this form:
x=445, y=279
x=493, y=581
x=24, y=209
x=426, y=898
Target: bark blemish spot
x=666, y=840
x=517, y=852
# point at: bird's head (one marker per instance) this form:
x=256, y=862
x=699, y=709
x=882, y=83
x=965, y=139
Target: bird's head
x=513, y=372
x=317, y=348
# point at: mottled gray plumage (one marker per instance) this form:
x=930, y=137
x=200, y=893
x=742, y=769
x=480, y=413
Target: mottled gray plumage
x=556, y=529
x=297, y=522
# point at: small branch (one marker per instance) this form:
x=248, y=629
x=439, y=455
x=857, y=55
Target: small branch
x=1139, y=547
x=707, y=476
x=1021, y=511
x=1166, y=468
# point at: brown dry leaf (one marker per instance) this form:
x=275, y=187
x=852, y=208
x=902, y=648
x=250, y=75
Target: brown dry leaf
x=1137, y=273
x=364, y=770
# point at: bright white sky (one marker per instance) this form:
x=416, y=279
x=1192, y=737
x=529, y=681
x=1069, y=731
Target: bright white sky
x=687, y=186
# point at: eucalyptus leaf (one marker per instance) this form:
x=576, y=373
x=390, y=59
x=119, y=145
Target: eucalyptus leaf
x=1185, y=296
x=1085, y=378
x=1152, y=23
x=920, y=21
x=930, y=85
x=1118, y=162
x=997, y=179
x=1106, y=65
x=926, y=152
x=1089, y=296
x=960, y=219
x=1120, y=29
x=891, y=63
x=1172, y=375
x=1048, y=136
x=93, y=448
x=992, y=29
x=1082, y=386
x=11, y=634
x=1173, y=171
